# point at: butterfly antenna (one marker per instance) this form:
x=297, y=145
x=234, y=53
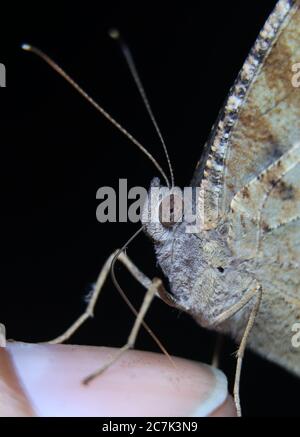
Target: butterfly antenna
x=115, y=34
x=75, y=85
x=63, y=74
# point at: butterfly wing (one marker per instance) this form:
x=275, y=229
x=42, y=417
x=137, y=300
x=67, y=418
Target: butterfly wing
x=261, y=119
x=250, y=178
x=264, y=229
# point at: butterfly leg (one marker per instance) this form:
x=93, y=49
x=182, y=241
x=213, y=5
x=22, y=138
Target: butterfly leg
x=255, y=291
x=89, y=311
x=241, y=351
x=2, y=335
x=151, y=292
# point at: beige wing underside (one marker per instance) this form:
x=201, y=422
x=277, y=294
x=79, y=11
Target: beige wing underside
x=251, y=178
x=265, y=230
x=278, y=272
x=261, y=119
x=261, y=196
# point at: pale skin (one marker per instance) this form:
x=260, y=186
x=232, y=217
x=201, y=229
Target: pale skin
x=138, y=384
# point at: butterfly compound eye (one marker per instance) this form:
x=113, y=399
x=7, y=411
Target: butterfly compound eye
x=170, y=210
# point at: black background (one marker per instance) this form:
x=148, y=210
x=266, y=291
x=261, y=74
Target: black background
x=56, y=151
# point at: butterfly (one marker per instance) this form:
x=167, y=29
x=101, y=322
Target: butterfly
x=239, y=273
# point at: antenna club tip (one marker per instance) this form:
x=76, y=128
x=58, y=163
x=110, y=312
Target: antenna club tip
x=114, y=33
x=26, y=47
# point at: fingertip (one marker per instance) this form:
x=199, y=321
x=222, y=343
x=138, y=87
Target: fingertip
x=138, y=384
